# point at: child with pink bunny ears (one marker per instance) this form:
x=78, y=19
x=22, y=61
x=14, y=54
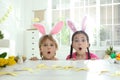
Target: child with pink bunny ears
x=47, y=44
x=80, y=42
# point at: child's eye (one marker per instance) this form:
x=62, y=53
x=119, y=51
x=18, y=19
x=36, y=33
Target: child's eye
x=83, y=40
x=45, y=45
x=76, y=40
x=51, y=45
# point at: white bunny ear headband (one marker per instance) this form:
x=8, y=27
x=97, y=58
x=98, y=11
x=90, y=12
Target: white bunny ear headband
x=72, y=25
x=55, y=29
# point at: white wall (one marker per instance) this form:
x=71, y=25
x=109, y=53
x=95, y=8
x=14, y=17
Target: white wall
x=30, y=6
x=13, y=26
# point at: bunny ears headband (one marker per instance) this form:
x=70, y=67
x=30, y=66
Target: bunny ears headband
x=57, y=27
x=72, y=26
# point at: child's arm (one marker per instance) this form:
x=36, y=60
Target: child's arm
x=34, y=58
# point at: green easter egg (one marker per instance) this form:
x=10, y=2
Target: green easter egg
x=113, y=55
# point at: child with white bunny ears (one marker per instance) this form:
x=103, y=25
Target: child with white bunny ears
x=47, y=44
x=80, y=42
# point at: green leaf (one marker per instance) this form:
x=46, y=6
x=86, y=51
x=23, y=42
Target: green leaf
x=110, y=50
x=3, y=55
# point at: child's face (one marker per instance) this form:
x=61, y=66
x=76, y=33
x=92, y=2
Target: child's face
x=48, y=49
x=80, y=43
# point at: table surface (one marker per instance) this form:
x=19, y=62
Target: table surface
x=63, y=70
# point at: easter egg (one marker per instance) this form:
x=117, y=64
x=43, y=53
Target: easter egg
x=113, y=55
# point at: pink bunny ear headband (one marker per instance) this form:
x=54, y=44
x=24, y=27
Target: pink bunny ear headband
x=55, y=29
x=72, y=25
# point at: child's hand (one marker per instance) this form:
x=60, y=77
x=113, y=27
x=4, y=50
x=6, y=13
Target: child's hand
x=34, y=58
x=73, y=59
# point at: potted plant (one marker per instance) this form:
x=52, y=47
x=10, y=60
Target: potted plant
x=110, y=52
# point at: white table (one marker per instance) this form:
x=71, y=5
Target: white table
x=65, y=70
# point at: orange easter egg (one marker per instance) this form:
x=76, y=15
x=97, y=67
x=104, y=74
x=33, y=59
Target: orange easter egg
x=117, y=58
x=118, y=55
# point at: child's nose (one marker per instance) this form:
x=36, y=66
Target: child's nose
x=49, y=47
x=79, y=43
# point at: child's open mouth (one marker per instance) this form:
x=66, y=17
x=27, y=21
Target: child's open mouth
x=80, y=48
x=48, y=52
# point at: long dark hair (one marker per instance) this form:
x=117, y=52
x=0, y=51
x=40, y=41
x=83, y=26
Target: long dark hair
x=71, y=48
